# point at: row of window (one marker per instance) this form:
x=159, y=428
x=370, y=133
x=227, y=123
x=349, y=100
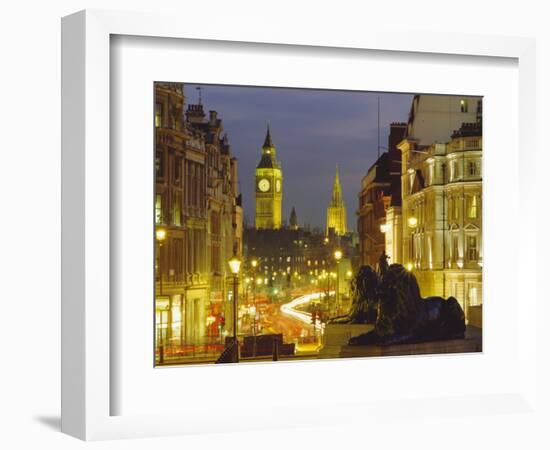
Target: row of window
x=472, y=168
x=471, y=203
x=160, y=120
x=418, y=243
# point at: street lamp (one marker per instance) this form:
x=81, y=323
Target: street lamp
x=235, y=267
x=412, y=222
x=337, y=257
x=160, y=234
x=254, y=264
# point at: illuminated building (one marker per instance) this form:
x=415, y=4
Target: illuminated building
x=442, y=197
x=269, y=188
x=379, y=199
x=196, y=206
x=336, y=211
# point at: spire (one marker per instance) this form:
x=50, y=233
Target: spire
x=268, y=142
x=337, y=199
x=336, y=211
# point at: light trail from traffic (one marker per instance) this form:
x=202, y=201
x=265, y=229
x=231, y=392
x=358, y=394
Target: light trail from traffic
x=290, y=308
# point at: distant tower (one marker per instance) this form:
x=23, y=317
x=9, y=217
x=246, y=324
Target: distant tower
x=336, y=211
x=293, y=222
x=269, y=187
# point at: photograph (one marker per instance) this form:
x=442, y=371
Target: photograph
x=302, y=224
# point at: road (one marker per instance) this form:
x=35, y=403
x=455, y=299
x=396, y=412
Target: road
x=290, y=309
x=293, y=323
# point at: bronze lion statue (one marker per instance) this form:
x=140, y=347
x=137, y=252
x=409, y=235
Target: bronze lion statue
x=391, y=300
x=364, y=298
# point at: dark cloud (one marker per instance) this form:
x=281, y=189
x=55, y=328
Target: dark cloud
x=313, y=130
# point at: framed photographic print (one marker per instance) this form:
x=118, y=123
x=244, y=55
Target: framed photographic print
x=249, y=269
x=258, y=217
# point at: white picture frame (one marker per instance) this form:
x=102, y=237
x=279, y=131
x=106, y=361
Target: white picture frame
x=87, y=384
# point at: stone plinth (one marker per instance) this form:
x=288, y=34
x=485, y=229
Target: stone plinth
x=471, y=343
x=475, y=316
x=337, y=336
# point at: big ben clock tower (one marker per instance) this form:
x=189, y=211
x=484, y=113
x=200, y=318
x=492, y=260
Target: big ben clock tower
x=269, y=188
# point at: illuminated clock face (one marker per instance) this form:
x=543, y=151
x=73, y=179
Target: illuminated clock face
x=278, y=185
x=263, y=185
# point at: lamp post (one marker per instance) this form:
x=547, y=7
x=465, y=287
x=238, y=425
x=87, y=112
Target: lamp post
x=235, y=266
x=337, y=256
x=160, y=235
x=254, y=264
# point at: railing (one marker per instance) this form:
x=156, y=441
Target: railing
x=175, y=351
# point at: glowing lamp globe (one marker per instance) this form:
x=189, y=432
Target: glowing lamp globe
x=234, y=265
x=412, y=222
x=160, y=234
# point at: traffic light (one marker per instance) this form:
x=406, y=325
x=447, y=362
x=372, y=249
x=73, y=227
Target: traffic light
x=314, y=317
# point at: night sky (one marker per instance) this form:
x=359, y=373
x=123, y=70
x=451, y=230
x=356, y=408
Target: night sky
x=313, y=131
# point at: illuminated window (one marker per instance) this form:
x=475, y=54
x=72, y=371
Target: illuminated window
x=455, y=212
x=473, y=207
x=158, y=208
x=474, y=296
x=158, y=115
x=464, y=106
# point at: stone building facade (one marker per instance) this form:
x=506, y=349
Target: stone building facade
x=197, y=208
x=380, y=193
x=441, y=184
